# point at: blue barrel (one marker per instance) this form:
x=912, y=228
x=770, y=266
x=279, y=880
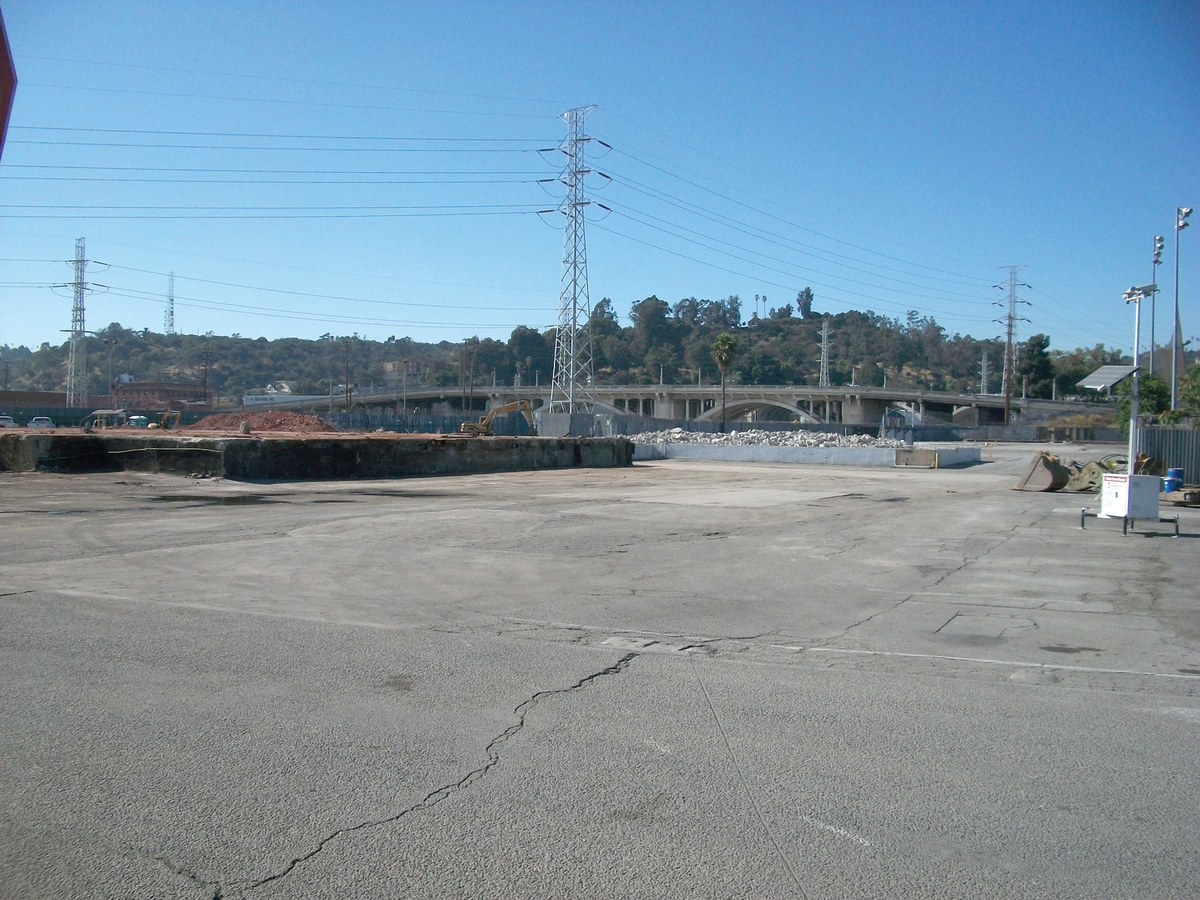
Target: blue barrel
x=1173, y=481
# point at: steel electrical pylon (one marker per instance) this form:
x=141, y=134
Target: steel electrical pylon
x=824, y=379
x=77, y=360
x=1010, y=333
x=169, y=315
x=572, y=388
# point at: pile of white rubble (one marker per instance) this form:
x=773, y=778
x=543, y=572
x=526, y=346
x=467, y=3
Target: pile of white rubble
x=753, y=437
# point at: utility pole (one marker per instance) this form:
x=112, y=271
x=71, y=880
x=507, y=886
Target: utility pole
x=824, y=379
x=205, y=386
x=1010, y=322
x=1181, y=222
x=1158, y=249
x=169, y=315
x=572, y=388
x=347, y=377
x=984, y=374
x=77, y=360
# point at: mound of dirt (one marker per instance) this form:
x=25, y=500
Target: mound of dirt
x=293, y=423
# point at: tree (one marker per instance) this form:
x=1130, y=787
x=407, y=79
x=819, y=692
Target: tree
x=1034, y=364
x=1189, y=391
x=532, y=354
x=804, y=301
x=1154, y=398
x=724, y=353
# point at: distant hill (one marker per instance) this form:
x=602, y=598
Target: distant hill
x=671, y=343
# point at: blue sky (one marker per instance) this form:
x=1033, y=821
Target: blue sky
x=374, y=167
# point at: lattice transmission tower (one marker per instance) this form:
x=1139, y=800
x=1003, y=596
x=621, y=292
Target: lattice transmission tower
x=824, y=380
x=572, y=388
x=1010, y=326
x=169, y=315
x=77, y=359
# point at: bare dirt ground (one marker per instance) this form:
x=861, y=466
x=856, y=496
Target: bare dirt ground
x=289, y=422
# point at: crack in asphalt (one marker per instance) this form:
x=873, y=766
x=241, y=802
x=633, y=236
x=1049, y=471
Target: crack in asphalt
x=434, y=797
x=218, y=891
x=864, y=621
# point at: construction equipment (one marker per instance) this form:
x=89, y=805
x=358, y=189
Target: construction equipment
x=168, y=420
x=483, y=427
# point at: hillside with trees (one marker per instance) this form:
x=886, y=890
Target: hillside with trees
x=662, y=342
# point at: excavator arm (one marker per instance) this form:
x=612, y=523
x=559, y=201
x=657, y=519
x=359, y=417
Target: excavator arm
x=484, y=426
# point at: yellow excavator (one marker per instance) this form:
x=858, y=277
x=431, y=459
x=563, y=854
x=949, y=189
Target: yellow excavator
x=483, y=427
x=168, y=420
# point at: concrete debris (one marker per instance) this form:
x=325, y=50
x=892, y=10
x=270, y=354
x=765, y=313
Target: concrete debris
x=753, y=437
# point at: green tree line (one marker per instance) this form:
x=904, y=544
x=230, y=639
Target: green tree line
x=661, y=342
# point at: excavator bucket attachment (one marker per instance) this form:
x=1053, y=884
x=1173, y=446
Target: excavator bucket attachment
x=1045, y=473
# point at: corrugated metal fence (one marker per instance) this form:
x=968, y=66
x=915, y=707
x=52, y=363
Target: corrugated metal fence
x=1177, y=448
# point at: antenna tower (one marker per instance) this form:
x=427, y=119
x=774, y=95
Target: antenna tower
x=824, y=382
x=169, y=316
x=572, y=388
x=1010, y=321
x=77, y=360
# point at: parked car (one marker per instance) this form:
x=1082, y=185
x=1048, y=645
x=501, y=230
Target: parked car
x=7, y=422
x=40, y=422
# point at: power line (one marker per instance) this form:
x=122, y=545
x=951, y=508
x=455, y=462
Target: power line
x=798, y=246
x=784, y=271
x=360, y=215
x=950, y=299
x=276, y=313
x=372, y=87
x=291, y=149
x=787, y=222
x=786, y=287
x=263, y=181
x=271, y=171
x=271, y=136
x=337, y=297
x=219, y=99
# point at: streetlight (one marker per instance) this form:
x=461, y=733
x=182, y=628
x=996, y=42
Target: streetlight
x=1158, y=249
x=1135, y=295
x=1181, y=222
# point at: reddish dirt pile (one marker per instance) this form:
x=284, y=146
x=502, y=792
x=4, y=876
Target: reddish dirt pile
x=293, y=423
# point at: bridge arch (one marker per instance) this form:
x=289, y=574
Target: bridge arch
x=744, y=405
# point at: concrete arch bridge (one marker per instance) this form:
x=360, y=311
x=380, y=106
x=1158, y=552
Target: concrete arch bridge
x=846, y=404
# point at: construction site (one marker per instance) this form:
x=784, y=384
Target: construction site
x=809, y=603
x=673, y=677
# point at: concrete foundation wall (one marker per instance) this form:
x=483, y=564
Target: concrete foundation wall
x=833, y=456
x=836, y=456
x=289, y=459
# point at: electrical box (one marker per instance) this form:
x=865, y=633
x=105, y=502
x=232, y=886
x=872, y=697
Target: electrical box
x=1130, y=496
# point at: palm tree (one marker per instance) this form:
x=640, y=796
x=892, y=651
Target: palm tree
x=724, y=351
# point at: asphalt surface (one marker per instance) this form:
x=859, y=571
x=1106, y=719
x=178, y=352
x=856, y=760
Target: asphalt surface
x=677, y=680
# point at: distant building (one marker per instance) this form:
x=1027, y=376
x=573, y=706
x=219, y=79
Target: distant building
x=150, y=395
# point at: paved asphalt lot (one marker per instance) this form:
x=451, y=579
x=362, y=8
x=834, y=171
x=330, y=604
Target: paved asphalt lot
x=677, y=680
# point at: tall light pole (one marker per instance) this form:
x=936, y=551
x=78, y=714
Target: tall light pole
x=1135, y=295
x=1181, y=222
x=1158, y=249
